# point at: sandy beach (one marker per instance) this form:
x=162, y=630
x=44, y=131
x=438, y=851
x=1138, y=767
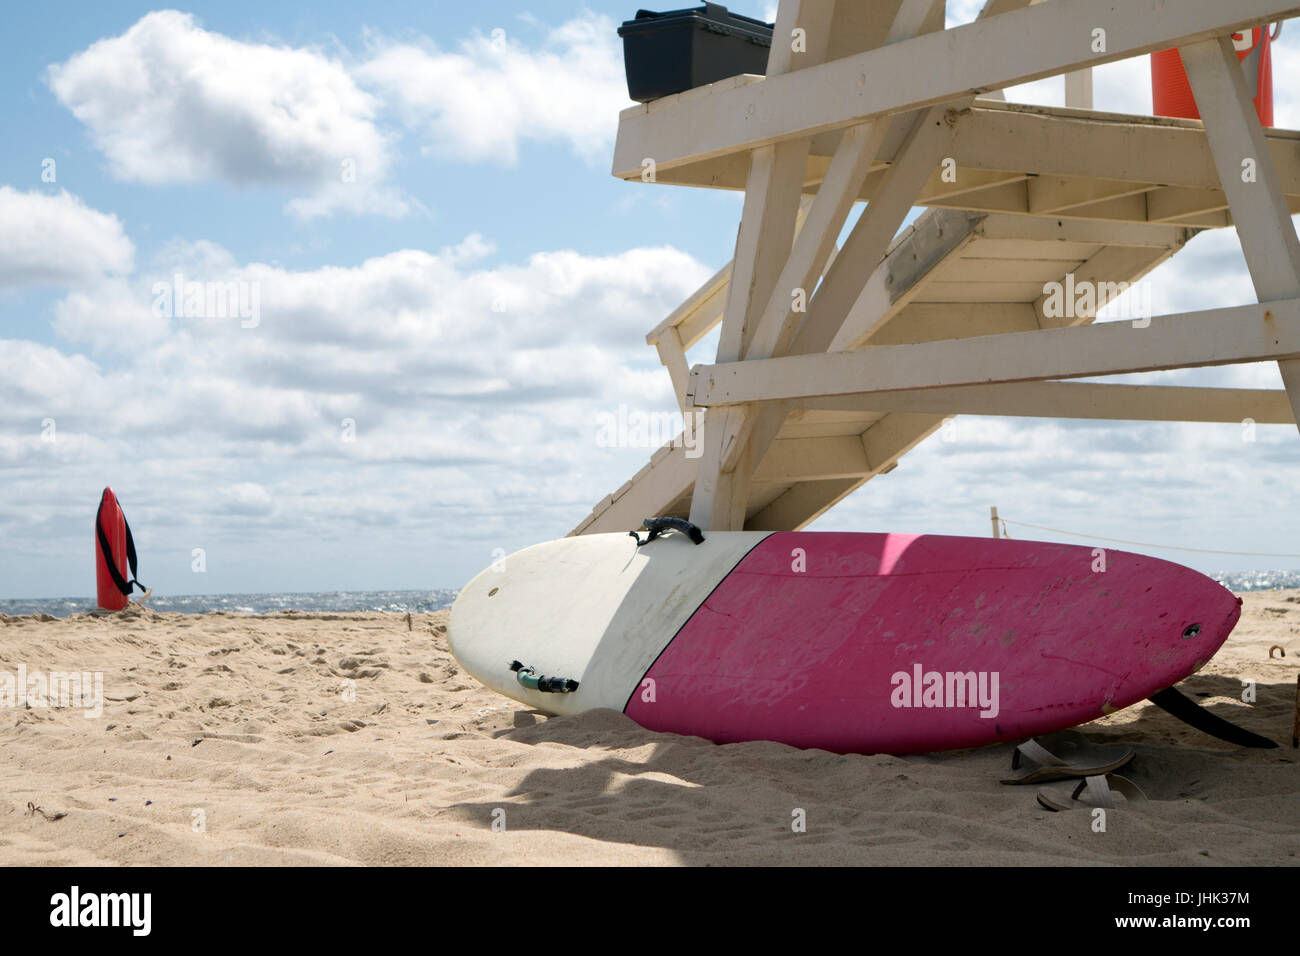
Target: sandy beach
x=301, y=738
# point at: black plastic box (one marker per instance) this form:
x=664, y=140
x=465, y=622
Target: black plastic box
x=666, y=53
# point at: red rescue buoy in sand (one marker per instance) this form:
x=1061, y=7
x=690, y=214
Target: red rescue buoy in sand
x=114, y=555
x=1171, y=93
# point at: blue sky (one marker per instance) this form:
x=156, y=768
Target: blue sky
x=470, y=300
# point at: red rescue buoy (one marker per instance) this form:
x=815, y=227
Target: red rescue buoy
x=1171, y=93
x=114, y=555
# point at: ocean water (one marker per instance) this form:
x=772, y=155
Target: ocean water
x=318, y=601
x=426, y=601
x=1258, y=580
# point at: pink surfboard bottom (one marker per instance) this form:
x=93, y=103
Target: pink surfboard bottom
x=810, y=655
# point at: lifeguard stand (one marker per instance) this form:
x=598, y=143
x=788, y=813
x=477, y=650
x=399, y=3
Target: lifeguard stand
x=834, y=363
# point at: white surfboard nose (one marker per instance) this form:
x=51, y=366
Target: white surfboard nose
x=595, y=609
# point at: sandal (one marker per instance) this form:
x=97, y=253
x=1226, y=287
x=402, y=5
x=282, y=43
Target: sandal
x=1077, y=758
x=1109, y=791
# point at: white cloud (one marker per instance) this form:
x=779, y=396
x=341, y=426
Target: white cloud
x=483, y=101
x=474, y=427
x=168, y=101
x=50, y=239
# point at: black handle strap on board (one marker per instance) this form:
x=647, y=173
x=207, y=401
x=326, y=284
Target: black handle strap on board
x=1190, y=712
x=107, y=552
x=528, y=677
x=661, y=526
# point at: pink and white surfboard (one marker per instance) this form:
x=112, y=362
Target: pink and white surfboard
x=866, y=643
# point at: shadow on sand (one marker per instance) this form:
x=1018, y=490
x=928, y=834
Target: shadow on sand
x=608, y=779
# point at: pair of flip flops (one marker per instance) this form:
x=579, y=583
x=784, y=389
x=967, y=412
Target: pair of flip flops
x=1078, y=774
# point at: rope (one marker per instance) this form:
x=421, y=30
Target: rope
x=1148, y=544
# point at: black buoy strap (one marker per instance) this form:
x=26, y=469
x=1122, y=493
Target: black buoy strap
x=120, y=582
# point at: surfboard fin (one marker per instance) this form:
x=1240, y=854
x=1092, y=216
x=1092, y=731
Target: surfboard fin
x=1188, y=711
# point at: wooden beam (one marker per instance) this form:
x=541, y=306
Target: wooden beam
x=988, y=54
x=1013, y=141
x=789, y=460
x=1084, y=400
x=1024, y=230
x=935, y=321
x=1176, y=202
x=802, y=504
x=965, y=182
x=1251, y=333
x=763, y=241
x=673, y=357
x=1078, y=89
x=1053, y=194
x=1249, y=179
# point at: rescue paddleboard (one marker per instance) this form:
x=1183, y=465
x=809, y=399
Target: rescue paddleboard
x=849, y=642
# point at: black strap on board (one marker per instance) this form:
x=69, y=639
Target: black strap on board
x=661, y=526
x=107, y=552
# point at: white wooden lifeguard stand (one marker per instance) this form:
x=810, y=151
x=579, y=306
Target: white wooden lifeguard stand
x=876, y=101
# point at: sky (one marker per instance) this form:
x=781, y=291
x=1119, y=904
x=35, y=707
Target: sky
x=436, y=292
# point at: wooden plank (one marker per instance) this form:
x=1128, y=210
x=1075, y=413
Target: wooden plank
x=1050, y=142
x=1176, y=202
x=789, y=460
x=709, y=299
x=1050, y=194
x=1083, y=400
x=763, y=241
x=1012, y=141
x=978, y=270
x=931, y=321
x=940, y=291
x=1078, y=89
x=1045, y=230
x=1250, y=333
x=937, y=189
x=673, y=356
x=801, y=505
x=1029, y=250
x=988, y=54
